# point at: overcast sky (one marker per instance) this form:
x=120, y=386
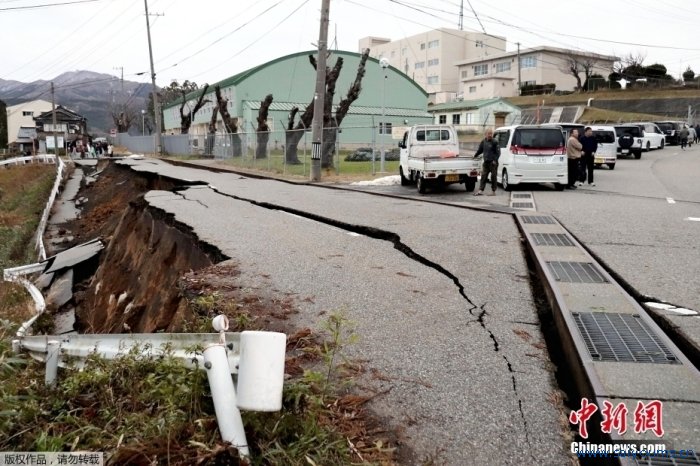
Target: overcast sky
x=210, y=40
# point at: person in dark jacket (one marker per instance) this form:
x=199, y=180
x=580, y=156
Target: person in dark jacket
x=697, y=134
x=492, y=151
x=590, y=146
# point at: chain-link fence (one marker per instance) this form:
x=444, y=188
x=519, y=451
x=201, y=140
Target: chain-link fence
x=348, y=150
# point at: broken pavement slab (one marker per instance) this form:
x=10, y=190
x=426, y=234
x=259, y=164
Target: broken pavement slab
x=73, y=256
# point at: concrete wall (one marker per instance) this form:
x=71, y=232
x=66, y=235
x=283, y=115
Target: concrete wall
x=15, y=119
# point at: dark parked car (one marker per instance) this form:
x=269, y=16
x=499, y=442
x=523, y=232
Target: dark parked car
x=671, y=130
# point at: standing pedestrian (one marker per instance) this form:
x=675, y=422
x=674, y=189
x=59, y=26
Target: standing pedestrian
x=684, y=136
x=492, y=151
x=589, y=146
x=110, y=148
x=573, y=155
x=697, y=133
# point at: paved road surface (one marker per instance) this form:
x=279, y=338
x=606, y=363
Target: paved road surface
x=472, y=390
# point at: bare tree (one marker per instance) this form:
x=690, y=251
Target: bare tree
x=211, y=133
x=123, y=117
x=631, y=67
x=331, y=124
x=230, y=124
x=186, y=118
x=575, y=64
x=263, y=130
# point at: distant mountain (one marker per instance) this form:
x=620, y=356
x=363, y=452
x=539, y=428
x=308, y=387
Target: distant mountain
x=90, y=94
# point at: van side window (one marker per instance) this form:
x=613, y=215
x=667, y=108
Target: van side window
x=420, y=135
x=502, y=138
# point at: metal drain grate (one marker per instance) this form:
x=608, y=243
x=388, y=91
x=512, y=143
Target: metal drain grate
x=622, y=338
x=576, y=272
x=522, y=196
x=551, y=239
x=523, y=205
x=685, y=460
x=541, y=219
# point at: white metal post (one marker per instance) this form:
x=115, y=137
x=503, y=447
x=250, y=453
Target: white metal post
x=52, y=349
x=224, y=395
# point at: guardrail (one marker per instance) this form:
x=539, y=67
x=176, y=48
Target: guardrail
x=15, y=275
x=257, y=358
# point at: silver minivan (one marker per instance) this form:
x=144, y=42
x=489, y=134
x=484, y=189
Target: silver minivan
x=607, y=146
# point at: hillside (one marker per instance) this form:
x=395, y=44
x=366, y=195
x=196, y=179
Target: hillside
x=87, y=93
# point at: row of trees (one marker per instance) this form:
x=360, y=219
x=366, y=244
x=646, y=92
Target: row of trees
x=631, y=68
x=297, y=121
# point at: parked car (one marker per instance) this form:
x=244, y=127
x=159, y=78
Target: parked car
x=652, y=136
x=671, y=130
x=629, y=140
x=430, y=156
x=567, y=128
x=607, y=146
x=532, y=154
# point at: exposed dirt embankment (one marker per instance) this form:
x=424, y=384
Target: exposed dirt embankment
x=135, y=288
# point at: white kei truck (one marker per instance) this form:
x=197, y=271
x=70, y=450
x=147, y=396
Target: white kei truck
x=430, y=156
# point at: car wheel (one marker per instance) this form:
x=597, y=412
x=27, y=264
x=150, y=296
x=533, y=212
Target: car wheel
x=638, y=155
x=559, y=186
x=404, y=181
x=663, y=144
x=598, y=165
x=504, y=181
x=611, y=166
x=470, y=184
x=421, y=184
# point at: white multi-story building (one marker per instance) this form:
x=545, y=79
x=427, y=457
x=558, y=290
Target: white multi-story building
x=429, y=58
x=22, y=116
x=497, y=75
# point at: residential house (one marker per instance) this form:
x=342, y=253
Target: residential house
x=429, y=58
x=70, y=127
x=497, y=75
x=476, y=115
x=20, y=123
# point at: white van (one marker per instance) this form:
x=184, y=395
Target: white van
x=531, y=154
x=607, y=146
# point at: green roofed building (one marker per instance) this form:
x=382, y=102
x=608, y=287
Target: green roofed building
x=291, y=80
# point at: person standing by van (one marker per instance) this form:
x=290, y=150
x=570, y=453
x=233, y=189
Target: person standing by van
x=492, y=151
x=573, y=155
x=589, y=146
x=683, y=135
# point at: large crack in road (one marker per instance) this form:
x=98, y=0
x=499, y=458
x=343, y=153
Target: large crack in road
x=399, y=245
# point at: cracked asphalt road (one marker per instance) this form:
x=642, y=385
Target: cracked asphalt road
x=439, y=296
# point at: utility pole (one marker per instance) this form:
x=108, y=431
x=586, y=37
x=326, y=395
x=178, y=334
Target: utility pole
x=461, y=16
x=519, y=83
x=53, y=118
x=156, y=105
x=121, y=68
x=320, y=95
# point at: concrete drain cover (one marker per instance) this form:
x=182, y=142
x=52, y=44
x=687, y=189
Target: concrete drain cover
x=576, y=272
x=686, y=460
x=551, y=239
x=541, y=219
x=621, y=338
x=522, y=196
x=523, y=205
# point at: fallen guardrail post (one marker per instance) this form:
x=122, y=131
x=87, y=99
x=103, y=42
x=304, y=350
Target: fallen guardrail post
x=256, y=357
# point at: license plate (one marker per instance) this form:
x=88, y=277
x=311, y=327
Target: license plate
x=539, y=159
x=625, y=151
x=598, y=160
x=451, y=178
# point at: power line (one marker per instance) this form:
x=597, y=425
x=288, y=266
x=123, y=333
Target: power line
x=223, y=37
x=46, y=5
x=304, y=2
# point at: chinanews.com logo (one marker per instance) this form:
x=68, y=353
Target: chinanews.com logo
x=647, y=417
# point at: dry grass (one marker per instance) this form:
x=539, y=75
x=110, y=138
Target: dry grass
x=599, y=115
